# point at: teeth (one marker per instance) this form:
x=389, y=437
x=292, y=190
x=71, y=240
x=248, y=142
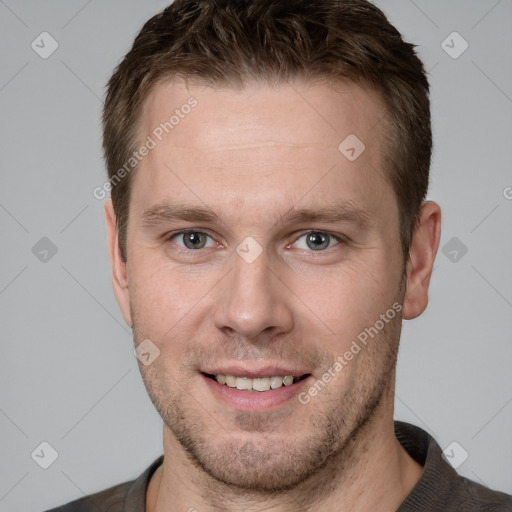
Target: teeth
x=288, y=380
x=276, y=382
x=258, y=384
x=230, y=380
x=261, y=384
x=243, y=383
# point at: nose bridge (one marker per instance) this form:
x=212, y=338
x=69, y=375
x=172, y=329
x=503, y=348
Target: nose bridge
x=252, y=301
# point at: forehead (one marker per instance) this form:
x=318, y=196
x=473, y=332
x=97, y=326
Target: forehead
x=262, y=143
x=260, y=113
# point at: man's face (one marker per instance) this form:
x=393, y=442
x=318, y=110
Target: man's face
x=300, y=253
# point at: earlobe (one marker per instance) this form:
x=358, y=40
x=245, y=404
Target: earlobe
x=425, y=243
x=119, y=272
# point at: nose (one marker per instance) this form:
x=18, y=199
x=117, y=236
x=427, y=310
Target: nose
x=253, y=301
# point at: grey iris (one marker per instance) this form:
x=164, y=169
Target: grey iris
x=317, y=240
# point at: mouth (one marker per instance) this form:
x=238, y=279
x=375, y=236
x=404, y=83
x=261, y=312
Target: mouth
x=260, y=384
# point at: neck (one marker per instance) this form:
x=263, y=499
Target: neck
x=371, y=472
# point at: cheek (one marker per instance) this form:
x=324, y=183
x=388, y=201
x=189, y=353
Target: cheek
x=343, y=301
x=169, y=303
x=159, y=297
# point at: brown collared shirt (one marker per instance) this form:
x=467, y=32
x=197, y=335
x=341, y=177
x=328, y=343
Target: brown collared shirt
x=440, y=488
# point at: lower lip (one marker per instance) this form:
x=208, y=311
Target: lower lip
x=257, y=400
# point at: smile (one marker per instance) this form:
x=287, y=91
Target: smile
x=260, y=384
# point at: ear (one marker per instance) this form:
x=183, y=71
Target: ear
x=119, y=276
x=422, y=253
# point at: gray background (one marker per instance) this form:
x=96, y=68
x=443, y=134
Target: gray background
x=68, y=375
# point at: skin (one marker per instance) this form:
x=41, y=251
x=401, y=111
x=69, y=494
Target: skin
x=251, y=155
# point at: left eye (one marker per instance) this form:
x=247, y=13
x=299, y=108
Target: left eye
x=193, y=240
x=316, y=240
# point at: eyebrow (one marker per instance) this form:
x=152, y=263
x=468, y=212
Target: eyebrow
x=339, y=212
x=336, y=213
x=169, y=212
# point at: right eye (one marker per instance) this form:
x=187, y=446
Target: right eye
x=192, y=240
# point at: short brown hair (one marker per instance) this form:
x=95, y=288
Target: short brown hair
x=230, y=42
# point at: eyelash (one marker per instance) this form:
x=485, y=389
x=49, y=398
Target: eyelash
x=341, y=239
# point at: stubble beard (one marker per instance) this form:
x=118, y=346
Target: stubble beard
x=321, y=446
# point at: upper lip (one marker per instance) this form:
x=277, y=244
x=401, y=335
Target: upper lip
x=254, y=373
